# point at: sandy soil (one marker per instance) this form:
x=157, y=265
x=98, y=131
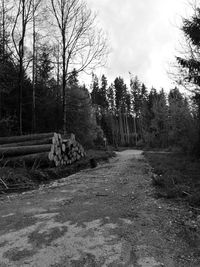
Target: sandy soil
x=105, y=216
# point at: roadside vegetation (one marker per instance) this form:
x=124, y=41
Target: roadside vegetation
x=175, y=176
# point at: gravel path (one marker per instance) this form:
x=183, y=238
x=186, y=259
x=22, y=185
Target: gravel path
x=105, y=216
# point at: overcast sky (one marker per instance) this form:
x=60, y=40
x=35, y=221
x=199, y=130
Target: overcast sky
x=143, y=35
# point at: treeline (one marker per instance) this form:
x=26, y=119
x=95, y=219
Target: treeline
x=141, y=117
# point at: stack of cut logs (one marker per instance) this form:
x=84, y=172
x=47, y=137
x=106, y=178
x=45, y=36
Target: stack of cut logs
x=65, y=151
x=41, y=150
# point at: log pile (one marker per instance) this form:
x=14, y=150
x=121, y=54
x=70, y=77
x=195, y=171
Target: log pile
x=41, y=150
x=65, y=151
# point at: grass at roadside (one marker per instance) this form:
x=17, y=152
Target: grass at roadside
x=21, y=179
x=175, y=176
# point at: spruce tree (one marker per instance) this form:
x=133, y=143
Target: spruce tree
x=190, y=63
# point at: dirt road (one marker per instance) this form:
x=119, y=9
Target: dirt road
x=105, y=216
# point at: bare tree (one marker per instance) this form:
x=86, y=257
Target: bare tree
x=25, y=13
x=35, y=17
x=5, y=7
x=22, y=18
x=3, y=11
x=2, y=33
x=82, y=45
x=33, y=69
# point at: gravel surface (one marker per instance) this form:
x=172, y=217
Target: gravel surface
x=106, y=216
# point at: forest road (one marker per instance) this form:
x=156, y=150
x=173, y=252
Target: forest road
x=105, y=216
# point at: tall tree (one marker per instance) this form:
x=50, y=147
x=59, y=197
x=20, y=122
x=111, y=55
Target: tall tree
x=44, y=65
x=181, y=122
x=4, y=41
x=81, y=118
x=22, y=18
x=120, y=93
x=103, y=92
x=47, y=112
x=73, y=78
x=190, y=63
x=136, y=95
x=121, y=108
x=159, y=122
x=81, y=43
x=95, y=94
x=111, y=97
x=35, y=6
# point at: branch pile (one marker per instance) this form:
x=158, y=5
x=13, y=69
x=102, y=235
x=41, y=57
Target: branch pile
x=41, y=150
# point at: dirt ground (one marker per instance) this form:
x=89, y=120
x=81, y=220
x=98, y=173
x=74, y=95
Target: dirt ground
x=106, y=216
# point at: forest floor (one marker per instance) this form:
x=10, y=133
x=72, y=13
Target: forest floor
x=24, y=178
x=107, y=216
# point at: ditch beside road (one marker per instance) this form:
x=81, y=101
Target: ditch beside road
x=107, y=216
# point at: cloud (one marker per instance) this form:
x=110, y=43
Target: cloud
x=141, y=34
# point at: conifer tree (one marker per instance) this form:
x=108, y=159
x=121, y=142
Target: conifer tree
x=190, y=63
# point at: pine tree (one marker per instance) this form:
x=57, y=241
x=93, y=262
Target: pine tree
x=45, y=90
x=120, y=93
x=81, y=118
x=73, y=78
x=190, y=63
x=103, y=92
x=136, y=95
x=95, y=90
x=159, y=122
x=44, y=66
x=111, y=97
x=180, y=121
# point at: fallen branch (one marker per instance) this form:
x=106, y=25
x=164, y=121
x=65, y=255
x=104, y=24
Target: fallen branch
x=4, y=183
x=186, y=193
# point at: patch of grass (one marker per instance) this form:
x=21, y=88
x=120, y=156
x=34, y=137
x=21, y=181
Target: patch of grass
x=175, y=176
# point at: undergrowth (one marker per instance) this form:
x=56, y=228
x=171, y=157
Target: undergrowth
x=23, y=178
x=176, y=176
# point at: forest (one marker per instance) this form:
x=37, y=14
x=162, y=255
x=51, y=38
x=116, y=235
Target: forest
x=44, y=48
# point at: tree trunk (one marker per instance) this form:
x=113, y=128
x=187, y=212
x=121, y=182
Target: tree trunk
x=29, y=143
x=198, y=145
x=20, y=96
x=22, y=138
x=1, y=104
x=127, y=129
x=121, y=128
x=33, y=72
x=64, y=83
x=135, y=130
x=3, y=50
x=23, y=150
x=112, y=129
x=58, y=87
x=21, y=76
